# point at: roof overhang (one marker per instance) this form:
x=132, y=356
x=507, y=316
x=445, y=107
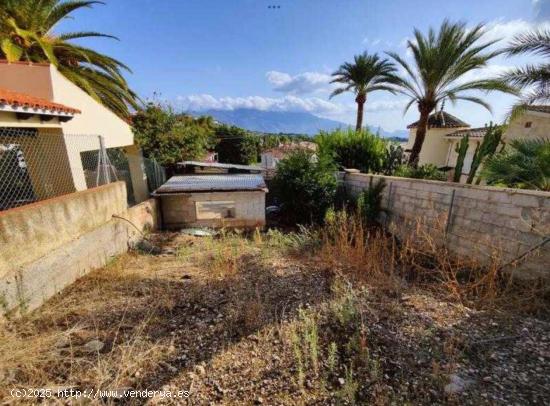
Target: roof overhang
x=24, y=112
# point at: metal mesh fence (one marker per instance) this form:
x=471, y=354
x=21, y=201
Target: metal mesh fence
x=37, y=165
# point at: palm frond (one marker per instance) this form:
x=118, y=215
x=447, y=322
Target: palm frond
x=535, y=42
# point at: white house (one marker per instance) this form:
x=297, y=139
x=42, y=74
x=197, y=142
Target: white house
x=38, y=100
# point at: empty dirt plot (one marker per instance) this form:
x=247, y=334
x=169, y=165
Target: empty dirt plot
x=265, y=319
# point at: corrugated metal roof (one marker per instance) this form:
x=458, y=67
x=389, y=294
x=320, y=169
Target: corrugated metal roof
x=212, y=183
x=221, y=165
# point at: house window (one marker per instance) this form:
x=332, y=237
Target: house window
x=215, y=210
x=528, y=124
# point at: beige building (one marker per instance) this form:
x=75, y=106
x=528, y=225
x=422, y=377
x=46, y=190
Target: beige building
x=52, y=124
x=533, y=124
x=436, y=144
x=445, y=131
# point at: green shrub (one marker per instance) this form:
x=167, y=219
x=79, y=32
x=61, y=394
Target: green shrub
x=306, y=186
x=353, y=149
x=426, y=171
x=393, y=159
x=236, y=145
x=369, y=202
x=524, y=165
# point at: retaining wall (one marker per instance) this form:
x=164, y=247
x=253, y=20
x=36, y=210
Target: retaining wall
x=476, y=221
x=48, y=245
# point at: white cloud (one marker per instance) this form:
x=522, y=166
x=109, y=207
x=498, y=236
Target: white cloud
x=384, y=105
x=303, y=83
x=372, y=41
x=313, y=105
x=503, y=31
x=490, y=71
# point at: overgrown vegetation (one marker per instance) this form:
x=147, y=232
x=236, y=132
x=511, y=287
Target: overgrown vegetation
x=236, y=146
x=336, y=314
x=306, y=186
x=170, y=138
x=361, y=150
x=525, y=164
x=425, y=171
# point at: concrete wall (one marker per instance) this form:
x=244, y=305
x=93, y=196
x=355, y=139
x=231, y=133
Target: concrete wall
x=180, y=210
x=47, y=245
x=484, y=220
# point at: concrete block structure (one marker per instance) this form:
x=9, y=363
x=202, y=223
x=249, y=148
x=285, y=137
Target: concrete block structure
x=213, y=200
x=47, y=245
x=478, y=222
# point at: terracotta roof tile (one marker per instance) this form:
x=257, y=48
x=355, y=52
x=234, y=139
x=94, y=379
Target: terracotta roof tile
x=472, y=132
x=25, y=100
x=539, y=108
x=442, y=119
x=28, y=63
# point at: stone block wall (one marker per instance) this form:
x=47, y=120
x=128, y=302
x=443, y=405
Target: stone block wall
x=475, y=221
x=47, y=245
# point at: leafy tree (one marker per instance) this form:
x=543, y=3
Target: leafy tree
x=366, y=74
x=486, y=148
x=171, y=138
x=26, y=34
x=536, y=78
x=526, y=165
x=441, y=60
x=461, y=150
x=236, y=146
x=353, y=149
x=306, y=186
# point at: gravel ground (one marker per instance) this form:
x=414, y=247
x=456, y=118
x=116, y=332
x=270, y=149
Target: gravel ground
x=229, y=311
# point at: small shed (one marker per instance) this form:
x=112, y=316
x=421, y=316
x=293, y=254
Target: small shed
x=213, y=200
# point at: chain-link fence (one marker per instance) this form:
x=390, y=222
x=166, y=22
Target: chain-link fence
x=37, y=165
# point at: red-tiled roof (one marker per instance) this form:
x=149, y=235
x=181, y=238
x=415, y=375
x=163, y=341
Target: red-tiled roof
x=25, y=63
x=25, y=100
x=442, y=119
x=471, y=132
x=539, y=108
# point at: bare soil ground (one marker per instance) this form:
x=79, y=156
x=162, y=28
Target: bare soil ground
x=240, y=321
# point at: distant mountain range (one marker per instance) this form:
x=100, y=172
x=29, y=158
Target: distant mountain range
x=284, y=122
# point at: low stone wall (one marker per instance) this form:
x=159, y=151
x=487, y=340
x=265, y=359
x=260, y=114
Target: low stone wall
x=48, y=245
x=475, y=221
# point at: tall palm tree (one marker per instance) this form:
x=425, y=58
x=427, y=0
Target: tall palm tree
x=27, y=34
x=440, y=61
x=366, y=74
x=536, y=78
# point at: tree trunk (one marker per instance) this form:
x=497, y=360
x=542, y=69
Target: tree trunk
x=360, y=100
x=420, y=135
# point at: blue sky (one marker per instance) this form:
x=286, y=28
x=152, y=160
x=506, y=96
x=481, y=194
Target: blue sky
x=227, y=54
